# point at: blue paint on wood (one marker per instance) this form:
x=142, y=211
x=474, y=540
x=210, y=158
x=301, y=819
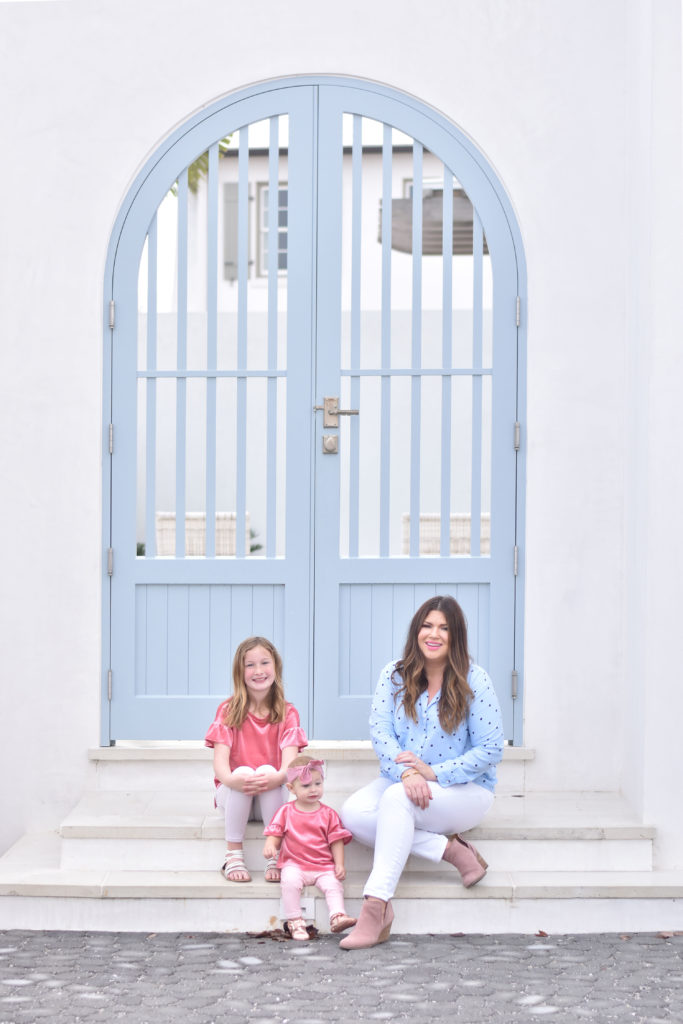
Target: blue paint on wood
x=192, y=612
x=211, y=346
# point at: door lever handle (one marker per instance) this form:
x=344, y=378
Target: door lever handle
x=331, y=411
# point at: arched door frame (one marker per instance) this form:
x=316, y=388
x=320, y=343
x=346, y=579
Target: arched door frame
x=147, y=186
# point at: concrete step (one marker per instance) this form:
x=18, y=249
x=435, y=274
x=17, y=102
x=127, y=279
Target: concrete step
x=142, y=830
x=142, y=849
x=186, y=765
x=37, y=893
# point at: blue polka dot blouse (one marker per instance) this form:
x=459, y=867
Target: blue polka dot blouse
x=470, y=754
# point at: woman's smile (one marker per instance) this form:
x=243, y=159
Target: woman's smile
x=432, y=638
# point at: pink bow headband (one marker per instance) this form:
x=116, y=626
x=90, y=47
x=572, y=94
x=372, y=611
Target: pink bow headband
x=303, y=771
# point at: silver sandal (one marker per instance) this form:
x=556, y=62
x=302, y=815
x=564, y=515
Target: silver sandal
x=234, y=865
x=271, y=865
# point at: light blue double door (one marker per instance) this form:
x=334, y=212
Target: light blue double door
x=307, y=271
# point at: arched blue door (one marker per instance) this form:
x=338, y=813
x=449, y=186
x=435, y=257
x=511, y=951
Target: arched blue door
x=304, y=268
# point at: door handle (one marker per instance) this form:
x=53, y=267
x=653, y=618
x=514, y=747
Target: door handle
x=331, y=411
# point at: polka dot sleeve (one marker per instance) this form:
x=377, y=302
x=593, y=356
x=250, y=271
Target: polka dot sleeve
x=383, y=733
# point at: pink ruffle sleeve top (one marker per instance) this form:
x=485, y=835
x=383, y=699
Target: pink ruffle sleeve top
x=307, y=836
x=257, y=741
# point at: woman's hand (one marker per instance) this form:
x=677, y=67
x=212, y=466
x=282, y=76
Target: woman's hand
x=410, y=760
x=417, y=789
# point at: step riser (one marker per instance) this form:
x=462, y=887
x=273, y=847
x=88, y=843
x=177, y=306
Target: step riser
x=142, y=849
x=413, y=916
x=342, y=776
x=208, y=854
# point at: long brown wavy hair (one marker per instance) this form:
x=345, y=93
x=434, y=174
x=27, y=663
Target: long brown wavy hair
x=238, y=705
x=412, y=680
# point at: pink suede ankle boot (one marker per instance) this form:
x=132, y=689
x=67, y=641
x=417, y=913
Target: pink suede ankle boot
x=374, y=925
x=469, y=862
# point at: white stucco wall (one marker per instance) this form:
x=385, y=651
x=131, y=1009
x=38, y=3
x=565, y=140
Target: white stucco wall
x=561, y=98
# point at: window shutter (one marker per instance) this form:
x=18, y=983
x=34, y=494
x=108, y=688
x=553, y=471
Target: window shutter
x=432, y=226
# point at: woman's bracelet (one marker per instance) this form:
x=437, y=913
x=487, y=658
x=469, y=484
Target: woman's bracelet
x=411, y=771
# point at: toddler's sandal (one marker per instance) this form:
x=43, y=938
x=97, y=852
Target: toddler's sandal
x=234, y=869
x=340, y=922
x=272, y=870
x=297, y=929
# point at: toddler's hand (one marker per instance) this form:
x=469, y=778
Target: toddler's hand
x=270, y=850
x=339, y=872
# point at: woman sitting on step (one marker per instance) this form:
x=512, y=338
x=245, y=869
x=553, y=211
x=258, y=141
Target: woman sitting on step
x=436, y=728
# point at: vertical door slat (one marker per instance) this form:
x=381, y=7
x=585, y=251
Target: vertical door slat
x=242, y=312
x=181, y=385
x=273, y=239
x=385, y=423
x=219, y=633
x=416, y=361
x=141, y=635
x=477, y=322
x=356, y=240
x=156, y=643
x=344, y=648
x=198, y=639
x=211, y=345
x=151, y=410
x=177, y=670
x=446, y=361
x=271, y=470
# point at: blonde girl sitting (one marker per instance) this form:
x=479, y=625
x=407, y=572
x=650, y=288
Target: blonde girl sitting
x=255, y=735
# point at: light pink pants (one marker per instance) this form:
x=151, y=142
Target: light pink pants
x=238, y=808
x=293, y=879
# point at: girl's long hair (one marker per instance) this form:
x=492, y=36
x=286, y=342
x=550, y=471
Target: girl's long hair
x=412, y=680
x=238, y=706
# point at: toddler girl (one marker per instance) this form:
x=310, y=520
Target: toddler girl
x=310, y=840
x=255, y=735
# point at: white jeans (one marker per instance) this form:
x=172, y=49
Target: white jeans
x=381, y=815
x=237, y=807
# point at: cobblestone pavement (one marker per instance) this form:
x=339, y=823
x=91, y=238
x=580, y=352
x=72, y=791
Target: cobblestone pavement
x=198, y=979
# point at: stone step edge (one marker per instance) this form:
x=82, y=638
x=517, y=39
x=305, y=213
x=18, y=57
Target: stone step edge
x=191, y=750
x=508, y=886
x=210, y=830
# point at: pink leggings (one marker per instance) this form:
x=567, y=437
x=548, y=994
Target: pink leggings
x=293, y=879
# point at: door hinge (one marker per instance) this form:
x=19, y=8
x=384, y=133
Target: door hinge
x=513, y=688
x=109, y=684
x=518, y=318
x=112, y=315
x=111, y=438
x=518, y=435
x=515, y=566
x=110, y=561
